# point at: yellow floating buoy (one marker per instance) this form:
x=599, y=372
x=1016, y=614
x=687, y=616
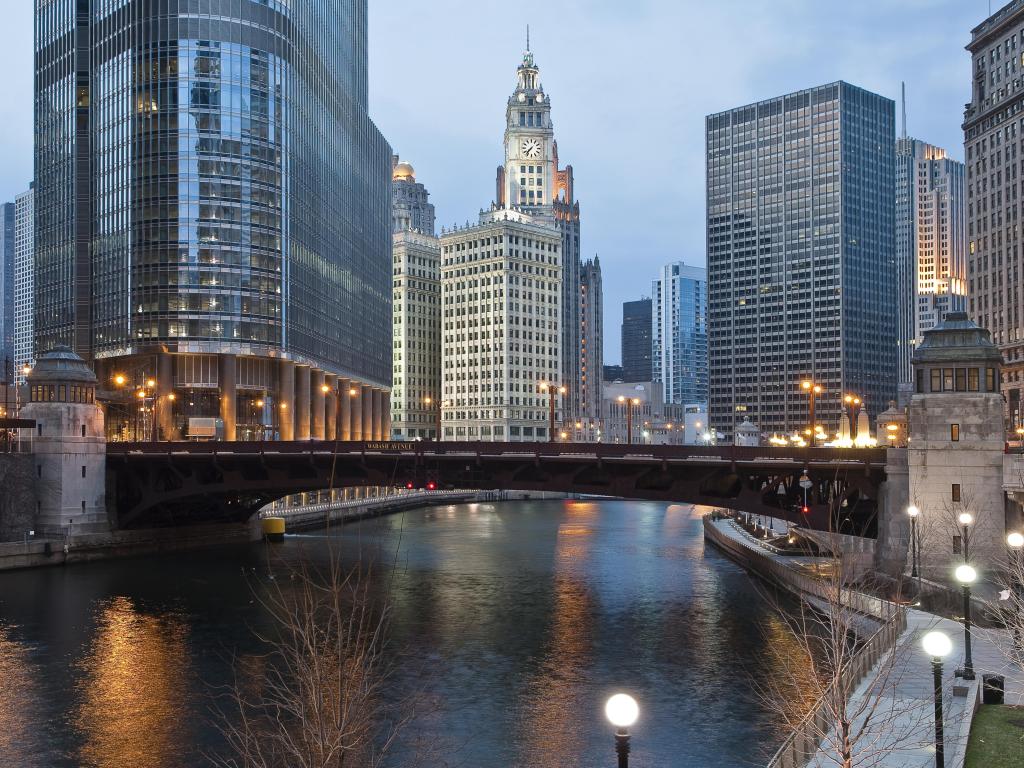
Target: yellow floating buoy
x=273, y=528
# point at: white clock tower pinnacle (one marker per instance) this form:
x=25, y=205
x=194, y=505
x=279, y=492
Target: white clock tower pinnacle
x=528, y=178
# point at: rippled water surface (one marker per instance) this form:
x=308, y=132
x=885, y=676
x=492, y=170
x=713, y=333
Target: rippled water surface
x=512, y=621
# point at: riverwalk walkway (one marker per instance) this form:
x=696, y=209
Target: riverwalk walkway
x=903, y=735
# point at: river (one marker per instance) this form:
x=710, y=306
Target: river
x=513, y=622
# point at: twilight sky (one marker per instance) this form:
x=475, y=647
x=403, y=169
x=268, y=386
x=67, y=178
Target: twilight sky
x=630, y=84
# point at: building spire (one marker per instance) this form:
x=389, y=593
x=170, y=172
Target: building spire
x=903, y=106
x=527, y=54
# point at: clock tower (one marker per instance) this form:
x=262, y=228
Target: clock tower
x=528, y=178
x=532, y=182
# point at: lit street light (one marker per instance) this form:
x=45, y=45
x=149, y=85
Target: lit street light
x=966, y=519
x=1015, y=541
x=967, y=576
x=813, y=390
x=853, y=403
x=551, y=390
x=913, y=512
x=622, y=711
x=937, y=645
x=427, y=401
x=629, y=402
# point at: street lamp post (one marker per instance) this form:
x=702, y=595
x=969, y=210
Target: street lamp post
x=913, y=512
x=629, y=402
x=1015, y=541
x=550, y=389
x=966, y=576
x=622, y=711
x=853, y=403
x=813, y=390
x=258, y=408
x=437, y=415
x=937, y=645
x=966, y=519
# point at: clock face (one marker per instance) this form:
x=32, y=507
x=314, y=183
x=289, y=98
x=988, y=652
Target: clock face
x=531, y=148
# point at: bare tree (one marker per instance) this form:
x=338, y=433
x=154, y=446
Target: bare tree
x=839, y=696
x=316, y=699
x=1008, y=615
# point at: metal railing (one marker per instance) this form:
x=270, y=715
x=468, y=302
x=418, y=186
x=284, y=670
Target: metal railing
x=730, y=453
x=803, y=742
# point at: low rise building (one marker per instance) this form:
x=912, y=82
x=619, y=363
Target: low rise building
x=642, y=405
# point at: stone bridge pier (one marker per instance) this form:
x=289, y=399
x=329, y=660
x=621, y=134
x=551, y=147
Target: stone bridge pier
x=958, y=473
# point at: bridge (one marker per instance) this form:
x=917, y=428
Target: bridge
x=160, y=483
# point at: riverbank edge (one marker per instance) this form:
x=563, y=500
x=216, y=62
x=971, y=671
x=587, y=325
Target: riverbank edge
x=92, y=547
x=320, y=516
x=760, y=564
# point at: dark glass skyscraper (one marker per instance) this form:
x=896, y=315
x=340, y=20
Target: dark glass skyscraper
x=7, y=239
x=636, y=340
x=213, y=208
x=800, y=237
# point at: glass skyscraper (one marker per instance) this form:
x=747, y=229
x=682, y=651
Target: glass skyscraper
x=801, y=274
x=7, y=242
x=213, y=209
x=679, y=334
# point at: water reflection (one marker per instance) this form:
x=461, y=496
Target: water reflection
x=20, y=708
x=134, y=690
x=553, y=696
x=511, y=622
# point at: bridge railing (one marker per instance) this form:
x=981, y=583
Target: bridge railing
x=730, y=453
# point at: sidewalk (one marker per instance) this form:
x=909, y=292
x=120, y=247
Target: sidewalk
x=904, y=735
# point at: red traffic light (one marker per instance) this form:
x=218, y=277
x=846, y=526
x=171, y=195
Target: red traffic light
x=431, y=486
x=409, y=485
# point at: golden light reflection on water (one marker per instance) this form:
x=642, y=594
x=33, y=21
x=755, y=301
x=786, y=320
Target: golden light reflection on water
x=550, y=732
x=785, y=674
x=19, y=705
x=133, y=695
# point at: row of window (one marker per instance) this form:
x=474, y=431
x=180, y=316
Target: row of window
x=62, y=393
x=957, y=380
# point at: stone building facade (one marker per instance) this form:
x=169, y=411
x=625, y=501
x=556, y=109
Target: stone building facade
x=956, y=442
x=416, y=388
x=416, y=294
x=993, y=148
x=69, y=445
x=592, y=341
x=501, y=314
x=532, y=180
x=931, y=243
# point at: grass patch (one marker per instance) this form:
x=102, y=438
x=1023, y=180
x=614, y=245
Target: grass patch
x=997, y=738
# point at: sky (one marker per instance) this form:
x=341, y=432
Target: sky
x=630, y=83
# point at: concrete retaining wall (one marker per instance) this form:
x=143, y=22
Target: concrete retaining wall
x=17, y=495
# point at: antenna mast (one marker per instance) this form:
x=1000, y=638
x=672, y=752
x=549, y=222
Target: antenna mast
x=903, y=105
